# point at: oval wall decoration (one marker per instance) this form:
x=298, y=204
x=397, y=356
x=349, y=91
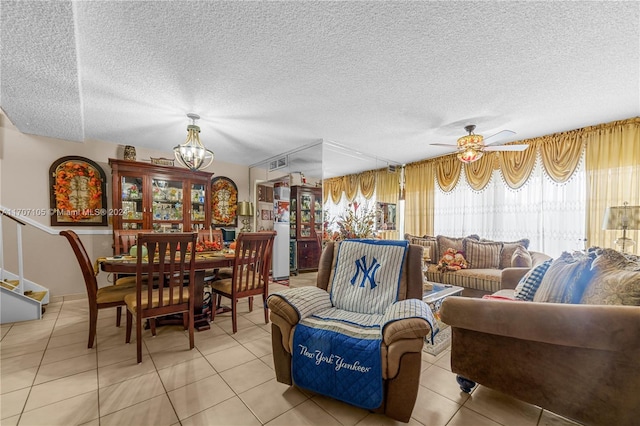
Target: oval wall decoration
x=224, y=202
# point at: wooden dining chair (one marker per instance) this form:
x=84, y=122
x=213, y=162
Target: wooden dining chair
x=99, y=298
x=123, y=239
x=250, y=275
x=173, y=257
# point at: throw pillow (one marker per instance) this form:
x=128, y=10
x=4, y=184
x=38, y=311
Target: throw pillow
x=508, y=249
x=528, y=285
x=453, y=260
x=521, y=258
x=566, y=278
x=482, y=255
x=430, y=245
x=616, y=280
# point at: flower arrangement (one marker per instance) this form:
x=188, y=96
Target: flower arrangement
x=73, y=178
x=356, y=222
x=224, y=202
x=208, y=246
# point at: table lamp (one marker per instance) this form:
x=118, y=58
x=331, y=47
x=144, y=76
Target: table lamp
x=622, y=217
x=245, y=209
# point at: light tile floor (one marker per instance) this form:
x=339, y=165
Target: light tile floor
x=49, y=377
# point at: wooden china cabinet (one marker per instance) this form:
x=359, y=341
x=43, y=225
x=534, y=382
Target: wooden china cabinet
x=305, y=225
x=162, y=198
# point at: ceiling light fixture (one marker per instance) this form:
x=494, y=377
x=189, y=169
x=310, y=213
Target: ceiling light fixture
x=192, y=154
x=470, y=146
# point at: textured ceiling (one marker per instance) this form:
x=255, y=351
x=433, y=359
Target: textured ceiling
x=385, y=78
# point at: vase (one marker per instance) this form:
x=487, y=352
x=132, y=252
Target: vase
x=130, y=153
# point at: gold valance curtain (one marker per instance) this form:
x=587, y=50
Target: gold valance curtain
x=448, y=172
x=479, y=172
x=334, y=187
x=516, y=167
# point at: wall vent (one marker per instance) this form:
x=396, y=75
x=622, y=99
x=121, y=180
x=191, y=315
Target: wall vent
x=391, y=168
x=278, y=164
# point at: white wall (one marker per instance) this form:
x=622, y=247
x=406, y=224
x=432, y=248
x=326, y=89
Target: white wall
x=24, y=184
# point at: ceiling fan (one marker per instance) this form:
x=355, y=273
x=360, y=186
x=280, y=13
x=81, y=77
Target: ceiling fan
x=471, y=147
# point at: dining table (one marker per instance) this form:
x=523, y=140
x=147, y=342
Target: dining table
x=126, y=265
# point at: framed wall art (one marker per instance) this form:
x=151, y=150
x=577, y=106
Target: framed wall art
x=78, y=192
x=224, y=202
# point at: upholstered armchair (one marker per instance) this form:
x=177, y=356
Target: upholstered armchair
x=344, y=299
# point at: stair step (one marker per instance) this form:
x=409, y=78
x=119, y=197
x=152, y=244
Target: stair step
x=9, y=284
x=36, y=295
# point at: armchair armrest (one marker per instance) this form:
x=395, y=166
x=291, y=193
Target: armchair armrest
x=407, y=319
x=297, y=303
x=602, y=327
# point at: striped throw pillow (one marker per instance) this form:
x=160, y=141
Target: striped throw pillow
x=482, y=255
x=528, y=285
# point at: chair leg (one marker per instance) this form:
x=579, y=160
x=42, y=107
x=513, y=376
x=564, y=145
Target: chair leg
x=214, y=306
x=139, y=338
x=234, y=321
x=152, y=326
x=250, y=303
x=185, y=320
x=266, y=308
x=129, y=321
x=93, y=323
x=191, y=326
x=118, y=315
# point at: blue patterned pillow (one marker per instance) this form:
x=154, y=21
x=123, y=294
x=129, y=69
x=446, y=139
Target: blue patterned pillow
x=528, y=285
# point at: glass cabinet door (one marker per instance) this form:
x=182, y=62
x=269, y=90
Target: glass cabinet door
x=132, y=202
x=306, y=205
x=198, y=206
x=317, y=216
x=167, y=205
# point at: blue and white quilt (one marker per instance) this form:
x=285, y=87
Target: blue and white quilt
x=336, y=347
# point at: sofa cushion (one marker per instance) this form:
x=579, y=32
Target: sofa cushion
x=482, y=255
x=616, y=280
x=521, y=258
x=478, y=279
x=430, y=245
x=566, y=278
x=528, y=285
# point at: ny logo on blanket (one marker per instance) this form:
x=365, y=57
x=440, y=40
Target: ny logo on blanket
x=368, y=273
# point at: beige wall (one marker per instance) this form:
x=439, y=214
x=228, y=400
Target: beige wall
x=24, y=184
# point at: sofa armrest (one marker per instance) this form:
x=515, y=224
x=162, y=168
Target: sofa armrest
x=603, y=327
x=510, y=277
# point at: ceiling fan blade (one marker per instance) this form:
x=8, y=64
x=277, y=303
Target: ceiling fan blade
x=506, y=148
x=495, y=139
x=444, y=144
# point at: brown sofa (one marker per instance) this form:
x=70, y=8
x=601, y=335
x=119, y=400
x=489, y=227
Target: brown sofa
x=579, y=360
x=402, y=340
x=477, y=281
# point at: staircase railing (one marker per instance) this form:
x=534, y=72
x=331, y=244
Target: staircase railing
x=19, y=225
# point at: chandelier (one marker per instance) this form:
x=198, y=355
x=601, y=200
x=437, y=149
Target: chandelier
x=470, y=146
x=192, y=154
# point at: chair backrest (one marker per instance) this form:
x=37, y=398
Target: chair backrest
x=210, y=235
x=85, y=264
x=252, y=263
x=410, y=281
x=174, y=256
x=123, y=239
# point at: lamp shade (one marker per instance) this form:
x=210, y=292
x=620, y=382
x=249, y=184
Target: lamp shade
x=245, y=208
x=622, y=217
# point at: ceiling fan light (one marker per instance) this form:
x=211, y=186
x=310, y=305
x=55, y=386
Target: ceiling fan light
x=469, y=155
x=192, y=154
x=471, y=139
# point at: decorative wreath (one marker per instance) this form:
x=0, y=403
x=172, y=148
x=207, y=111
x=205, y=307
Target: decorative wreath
x=228, y=217
x=65, y=174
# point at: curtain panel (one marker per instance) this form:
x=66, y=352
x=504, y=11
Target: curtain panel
x=419, y=198
x=613, y=176
x=387, y=186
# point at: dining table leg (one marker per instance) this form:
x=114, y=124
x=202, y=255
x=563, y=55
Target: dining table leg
x=200, y=319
